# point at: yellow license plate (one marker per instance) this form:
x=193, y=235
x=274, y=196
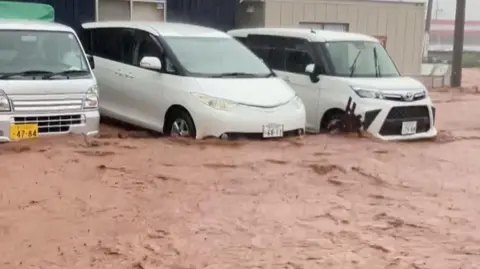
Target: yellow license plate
x=23, y=131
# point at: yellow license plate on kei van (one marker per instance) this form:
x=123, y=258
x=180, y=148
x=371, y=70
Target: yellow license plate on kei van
x=23, y=131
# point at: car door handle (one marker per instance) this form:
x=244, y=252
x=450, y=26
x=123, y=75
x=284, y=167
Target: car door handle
x=119, y=73
x=287, y=79
x=128, y=75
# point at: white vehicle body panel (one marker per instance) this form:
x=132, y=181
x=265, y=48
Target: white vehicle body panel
x=332, y=92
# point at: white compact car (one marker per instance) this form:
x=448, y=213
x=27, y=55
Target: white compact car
x=335, y=73
x=190, y=81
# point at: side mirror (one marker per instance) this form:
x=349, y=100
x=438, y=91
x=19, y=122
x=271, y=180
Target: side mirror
x=152, y=63
x=91, y=61
x=310, y=68
x=312, y=71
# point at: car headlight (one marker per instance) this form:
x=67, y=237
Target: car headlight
x=217, y=103
x=368, y=93
x=4, y=102
x=91, y=98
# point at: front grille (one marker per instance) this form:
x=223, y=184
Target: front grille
x=46, y=105
x=397, y=115
x=400, y=98
x=407, y=112
x=51, y=124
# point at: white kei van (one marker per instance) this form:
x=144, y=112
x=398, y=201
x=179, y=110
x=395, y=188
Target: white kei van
x=190, y=81
x=333, y=72
x=46, y=83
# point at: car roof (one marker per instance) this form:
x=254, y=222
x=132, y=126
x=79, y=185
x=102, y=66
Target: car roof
x=10, y=24
x=313, y=35
x=161, y=28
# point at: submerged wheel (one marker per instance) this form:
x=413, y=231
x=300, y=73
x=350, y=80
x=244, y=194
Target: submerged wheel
x=333, y=123
x=180, y=124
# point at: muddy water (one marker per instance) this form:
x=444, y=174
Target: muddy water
x=126, y=201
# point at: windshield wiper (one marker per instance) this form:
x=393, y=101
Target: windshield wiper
x=65, y=73
x=377, y=66
x=354, y=64
x=25, y=73
x=238, y=74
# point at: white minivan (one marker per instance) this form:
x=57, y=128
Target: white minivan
x=339, y=73
x=46, y=83
x=190, y=81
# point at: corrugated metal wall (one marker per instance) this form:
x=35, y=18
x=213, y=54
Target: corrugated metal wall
x=70, y=12
x=401, y=23
x=218, y=14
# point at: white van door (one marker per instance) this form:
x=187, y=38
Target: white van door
x=108, y=63
x=144, y=90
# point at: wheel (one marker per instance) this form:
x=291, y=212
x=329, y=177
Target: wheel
x=334, y=123
x=181, y=125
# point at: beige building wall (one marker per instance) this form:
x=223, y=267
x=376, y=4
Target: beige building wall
x=144, y=10
x=401, y=23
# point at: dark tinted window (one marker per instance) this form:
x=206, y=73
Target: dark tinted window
x=127, y=39
x=298, y=55
x=270, y=49
x=147, y=46
x=243, y=40
x=115, y=44
x=85, y=38
x=106, y=43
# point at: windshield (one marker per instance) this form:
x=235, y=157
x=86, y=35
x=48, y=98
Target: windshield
x=360, y=59
x=25, y=53
x=212, y=56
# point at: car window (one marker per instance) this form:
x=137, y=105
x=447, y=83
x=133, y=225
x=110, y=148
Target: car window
x=270, y=49
x=107, y=43
x=243, y=40
x=298, y=58
x=85, y=38
x=22, y=50
x=214, y=56
x=146, y=46
x=114, y=44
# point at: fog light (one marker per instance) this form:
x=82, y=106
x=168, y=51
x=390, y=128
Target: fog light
x=224, y=137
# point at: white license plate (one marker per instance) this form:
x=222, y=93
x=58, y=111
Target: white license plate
x=409, y=127
x=272, y=130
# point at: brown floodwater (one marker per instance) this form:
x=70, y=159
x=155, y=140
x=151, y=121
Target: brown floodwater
x=128, y=200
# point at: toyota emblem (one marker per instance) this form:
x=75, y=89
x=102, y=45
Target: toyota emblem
x=409, y=96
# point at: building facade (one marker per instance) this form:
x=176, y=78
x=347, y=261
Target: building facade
x=398, y=25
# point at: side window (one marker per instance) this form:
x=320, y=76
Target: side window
x=127, y=39
x=85, y=38
x=243, y=40
x=298, y=56
x=107, y=43
x=146, y=46
x=271, y=49
x=115, y=44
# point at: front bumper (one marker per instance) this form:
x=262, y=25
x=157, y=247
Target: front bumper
x=81, y=122
x=384, y=119
x=247, y=121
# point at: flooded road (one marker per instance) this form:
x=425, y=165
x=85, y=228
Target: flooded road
x=316, y=202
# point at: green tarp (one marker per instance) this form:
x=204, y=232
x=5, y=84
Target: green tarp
x=26, y=11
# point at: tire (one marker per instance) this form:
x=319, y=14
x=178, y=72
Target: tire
x=181, y=124
x=334, y=123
